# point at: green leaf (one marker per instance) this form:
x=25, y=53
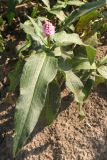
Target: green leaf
x=91, y=53
x=83, y=10
x=47, y=3
x=92, y=41
x=103, y=60
x=15, y=75
x=60, y=5
x=53, y=102
x=11, y=9
x=75, y=85
x=23, y=47
x=39, y=71
x=57, y=51
x=99, y=79
x=32, y=28
x=81, y=112
x=1, y=44
x=52, y=105
x=85, y=20
x=87, y=87
x=81, y=63
x=59, y=14
x=18, y=1
x=37, y=28
x=103, y=71
x=74, y=3
x=63, y=39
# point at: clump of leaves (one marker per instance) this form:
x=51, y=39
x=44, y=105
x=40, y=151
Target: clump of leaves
x=46, y=57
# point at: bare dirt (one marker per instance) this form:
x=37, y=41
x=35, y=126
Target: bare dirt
x=67, y=138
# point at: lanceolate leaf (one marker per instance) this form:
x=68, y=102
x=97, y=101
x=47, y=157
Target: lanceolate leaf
x=75, y=85
x=38, y=72
x=84, y=9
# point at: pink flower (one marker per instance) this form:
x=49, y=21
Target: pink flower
x=48, y=28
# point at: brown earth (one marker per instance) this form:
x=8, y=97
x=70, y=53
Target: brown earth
x=67, y=138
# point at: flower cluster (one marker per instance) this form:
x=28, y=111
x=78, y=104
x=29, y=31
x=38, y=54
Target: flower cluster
x=48, y=28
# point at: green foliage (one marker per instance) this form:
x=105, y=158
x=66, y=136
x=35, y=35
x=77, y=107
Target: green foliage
x=45, y=62
x=83, y=10
x=64, y=39
x=11, y=9
x=1, y=44
x=39, y=71
x=75, y=85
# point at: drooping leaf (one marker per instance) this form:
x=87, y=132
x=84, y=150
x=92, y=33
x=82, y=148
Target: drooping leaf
x=75, y=85
x=63, y=39
x=83, y=10
x=14, y=76
x=39, y=70
x=103, y=71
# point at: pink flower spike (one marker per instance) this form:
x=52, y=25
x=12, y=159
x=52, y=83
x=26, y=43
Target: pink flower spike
x=48, y=28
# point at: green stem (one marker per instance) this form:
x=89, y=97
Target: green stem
x=49, y=44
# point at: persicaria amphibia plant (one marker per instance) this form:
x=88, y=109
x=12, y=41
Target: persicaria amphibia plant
x=42, y=67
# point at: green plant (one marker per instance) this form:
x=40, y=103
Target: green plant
x=11, y=9
x=1, y=44
x=46, y=61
